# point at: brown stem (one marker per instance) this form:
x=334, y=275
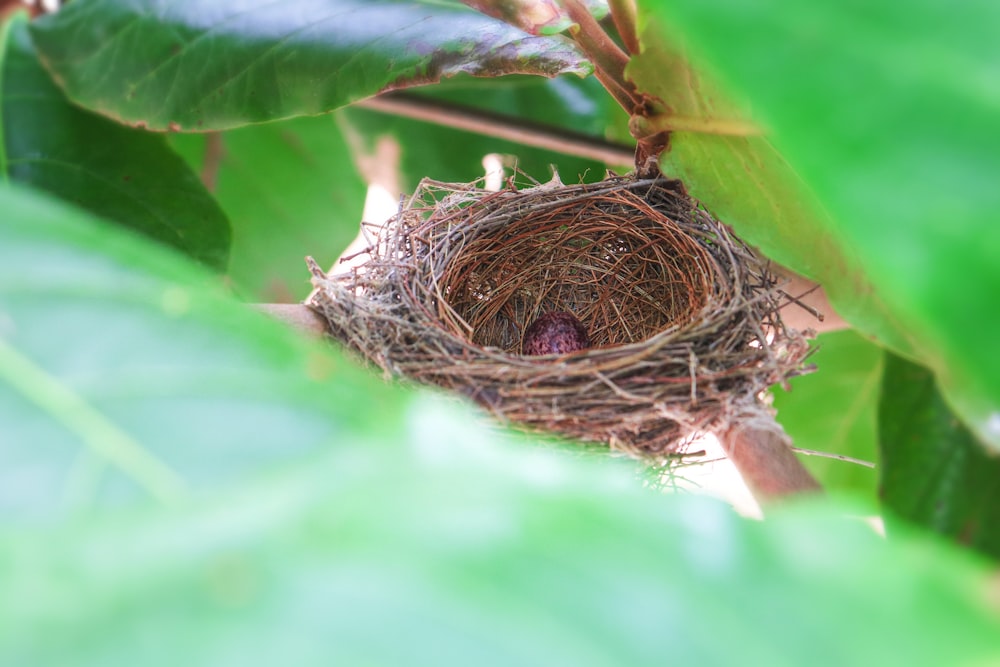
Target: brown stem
x=503, y=127
x=620, y=94
x=762, y=454
x=8, y=7
x=607, y=57
x=214, y=152
x=623, y=13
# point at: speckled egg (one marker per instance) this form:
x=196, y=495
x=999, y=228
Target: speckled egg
x=555, y=333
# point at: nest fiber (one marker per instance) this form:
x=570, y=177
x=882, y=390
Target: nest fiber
x=682, y=318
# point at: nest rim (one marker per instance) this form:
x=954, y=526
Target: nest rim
x=401, y=294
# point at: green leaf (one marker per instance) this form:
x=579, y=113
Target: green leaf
x=120, y=379
x=290, y=189
x=889, y=113
x=329, y=518
x=193, y=66
x=834, y=410
x=739, y=175
x=934, y=473
x=128, y=176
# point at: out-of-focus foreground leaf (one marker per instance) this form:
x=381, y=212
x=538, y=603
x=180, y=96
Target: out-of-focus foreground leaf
x=290, y=189
x=195, y=65
x=314, y=515
x=889, y=113
x=119, y=375
x=834, y=410
x=934, y=473
x=737, y=173
x=125, y=175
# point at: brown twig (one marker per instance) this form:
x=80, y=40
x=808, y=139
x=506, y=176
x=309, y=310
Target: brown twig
x=762, y=454
x=214, y=152
x=623, y=13
x=809, y=307
x=607, y=57
x=503, y=127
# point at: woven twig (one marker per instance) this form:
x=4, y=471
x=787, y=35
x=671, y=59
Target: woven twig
x=682, y=317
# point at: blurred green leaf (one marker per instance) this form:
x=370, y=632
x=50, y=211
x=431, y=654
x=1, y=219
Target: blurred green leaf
x=889, y=113
x=331, y=518
x=128, y=176
x=746, y=182
x=108, y=344
x=290, y=189
x=194, y=65
x=934, y=473
x=834, y=410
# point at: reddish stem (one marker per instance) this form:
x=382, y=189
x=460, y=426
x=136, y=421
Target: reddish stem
x=623, y=13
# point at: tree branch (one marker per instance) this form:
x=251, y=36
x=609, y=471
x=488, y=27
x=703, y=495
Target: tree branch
x=595, y=43
x=623, y=13
x=500, y=126
x=762, y=454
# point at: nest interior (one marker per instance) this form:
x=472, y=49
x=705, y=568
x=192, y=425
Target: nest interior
x=682, y=317
x=613, y=264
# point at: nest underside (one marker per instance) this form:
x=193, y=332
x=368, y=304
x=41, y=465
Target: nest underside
x=682, y=317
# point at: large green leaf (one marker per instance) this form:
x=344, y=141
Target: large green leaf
x=290, y=189
x=934, y=472
x=117, y=374
x=194, y=65
x=332, y=519
x=889, y=113
x=834, y=410
x=126, y=175
x=739, y=175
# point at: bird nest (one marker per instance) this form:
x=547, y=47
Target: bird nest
x=681, y=318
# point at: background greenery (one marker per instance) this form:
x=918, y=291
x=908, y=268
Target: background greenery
x=181, y=476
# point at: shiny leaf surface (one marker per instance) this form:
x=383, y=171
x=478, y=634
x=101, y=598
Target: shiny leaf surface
x=196, y=66
x=126, y=175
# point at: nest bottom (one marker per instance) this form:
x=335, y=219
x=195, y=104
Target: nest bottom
x=682, y=318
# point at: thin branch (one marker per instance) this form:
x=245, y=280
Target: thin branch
x=622, y=95
x=607, y=57
x=214, y=152
x=503, y=127
x=809, y=301
x=623, y=13
x=836, y=457
x=762, y=454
